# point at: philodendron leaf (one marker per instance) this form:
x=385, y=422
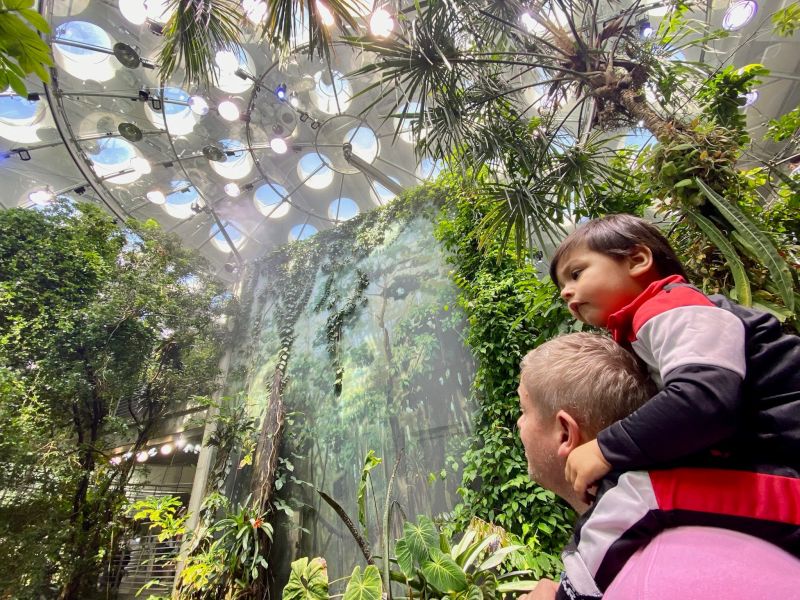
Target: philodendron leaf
x=517, y=586
x=364, y=587
x=308, y=580
x=443, y=573
x=370, y=462
x=404, y=559
x=758, y=240
x=497, y=557
x=420, y=537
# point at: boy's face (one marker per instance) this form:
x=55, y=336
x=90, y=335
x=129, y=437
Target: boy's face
x=596, y=285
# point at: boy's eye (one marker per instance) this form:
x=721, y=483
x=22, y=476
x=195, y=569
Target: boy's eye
x=575, y=273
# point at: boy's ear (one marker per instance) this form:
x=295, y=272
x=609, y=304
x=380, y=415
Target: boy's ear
x=640, y=261
x=569, y=433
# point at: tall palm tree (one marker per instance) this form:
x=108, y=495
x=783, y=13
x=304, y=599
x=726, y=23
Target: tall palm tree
x=539, y=89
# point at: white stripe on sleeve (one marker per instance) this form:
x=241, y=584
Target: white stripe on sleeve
x=693, y=335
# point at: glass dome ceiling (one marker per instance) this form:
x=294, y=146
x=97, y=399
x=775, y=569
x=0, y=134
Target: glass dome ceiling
x=231, y=187
x=302, y=155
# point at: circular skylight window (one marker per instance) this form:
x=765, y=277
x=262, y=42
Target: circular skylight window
x=218, y=237
x=237, y=166
x=83, y=63
x=19, y=118
x=271, y=200
x=112, y=155
x=380, y=193
x=180, y=118
x=429, y=169
x=314, y=172
x=228, y=62
x=179, y=202
x=20, y=112
x=255, y=11
x=343, y=209
x=364, y=142
x=331, y=94
x=739, y=14
x=301, y=232
x=406, y=132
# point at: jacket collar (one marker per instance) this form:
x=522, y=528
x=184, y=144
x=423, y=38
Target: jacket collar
x=620, y=323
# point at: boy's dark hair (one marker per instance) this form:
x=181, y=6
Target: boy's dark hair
x=618, y=236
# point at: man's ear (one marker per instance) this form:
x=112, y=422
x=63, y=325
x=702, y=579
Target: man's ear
x=640, y=261
x=570, y=436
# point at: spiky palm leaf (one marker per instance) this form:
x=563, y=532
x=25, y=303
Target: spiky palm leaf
x=290, y=20
x=194, y=33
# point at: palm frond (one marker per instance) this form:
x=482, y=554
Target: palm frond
x=193, y=34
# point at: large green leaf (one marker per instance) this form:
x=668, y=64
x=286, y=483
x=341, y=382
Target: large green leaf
x=756, y=238
x=421, y=537
x=364, y=587
x=497, y=557
x=404, y=559
x=743, y=294
x=308, y=580
x=443, y=573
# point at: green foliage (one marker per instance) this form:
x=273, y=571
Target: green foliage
x=22, y=50
x=510, y=311
x=787, y=20
x=364, y=587
x=308, y=580
x=89, y=322
x=784, y=127
x=370, y=462
x=162, y=513
x=723, y=96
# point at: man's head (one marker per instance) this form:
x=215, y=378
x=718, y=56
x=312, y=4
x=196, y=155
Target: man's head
x=570, y=388
x=603, y=265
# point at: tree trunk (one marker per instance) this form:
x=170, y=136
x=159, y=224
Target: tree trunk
x=269, y=441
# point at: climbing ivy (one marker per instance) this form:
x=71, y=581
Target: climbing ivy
x=510, y=311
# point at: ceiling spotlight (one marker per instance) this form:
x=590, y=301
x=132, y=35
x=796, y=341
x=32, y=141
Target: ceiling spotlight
x=156, y=197
x=315, y=124
x=226, y=61
x=278, y=145
x=381, y=23
x=152, y=451
x=294, y=100
x=280, y=92
x=134, y=11
x=228, y=110
x=80, y=190
x=304, y=116
x=180, y=443
x=232, y=190
x=41, y=197
x=166, y=449
x=739, y=14
x=749, y=98
x=645, y=29
x=33, y=97
x=198, y=105
x=142, y=456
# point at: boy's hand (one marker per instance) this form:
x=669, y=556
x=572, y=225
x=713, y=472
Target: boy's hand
x=585, y=465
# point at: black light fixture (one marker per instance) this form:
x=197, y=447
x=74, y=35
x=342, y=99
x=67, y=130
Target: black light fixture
x=645, y=29
x=33, y=97
x=280, y=92
x=144, y=95
x=315, y=124
x=24, y=154
x=304, y=116
x=80, y=190
x=155, y=103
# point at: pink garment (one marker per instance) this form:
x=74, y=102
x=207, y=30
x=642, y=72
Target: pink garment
x=705, y=563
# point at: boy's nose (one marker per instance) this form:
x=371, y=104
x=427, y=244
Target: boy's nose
x=566, y=292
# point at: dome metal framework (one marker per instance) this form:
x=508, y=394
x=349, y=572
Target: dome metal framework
x=274, y=152
x=266, y=156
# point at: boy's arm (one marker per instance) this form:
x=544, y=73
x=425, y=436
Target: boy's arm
x=700, y=354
